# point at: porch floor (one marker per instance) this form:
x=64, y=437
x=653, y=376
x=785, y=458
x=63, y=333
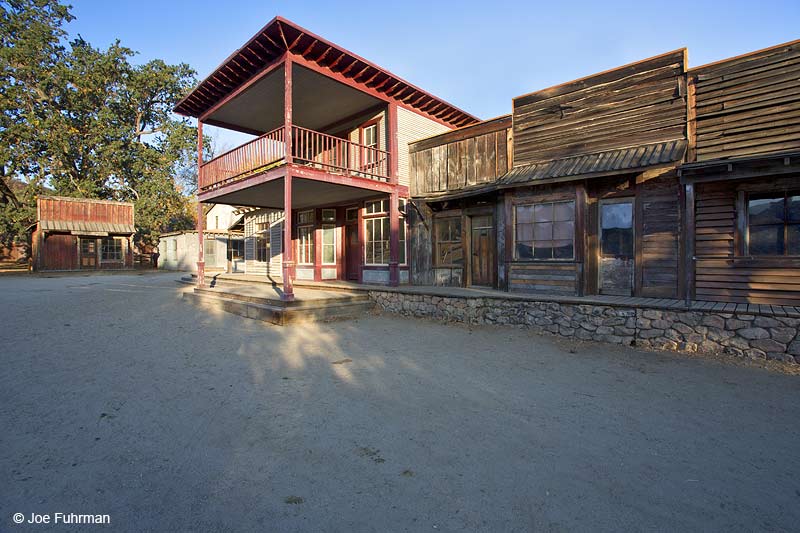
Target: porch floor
x=308, y=288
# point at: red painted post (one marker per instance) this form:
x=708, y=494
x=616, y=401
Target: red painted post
x=288, y=245
x=394, y=239
x=201, y=264
x=392, y=147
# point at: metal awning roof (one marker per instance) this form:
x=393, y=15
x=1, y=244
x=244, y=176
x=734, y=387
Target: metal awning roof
x=596, y=164
x=280, y=36
x=86, y=228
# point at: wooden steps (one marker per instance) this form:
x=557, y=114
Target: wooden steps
x=258, y=304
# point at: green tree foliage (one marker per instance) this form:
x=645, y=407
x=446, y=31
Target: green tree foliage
x=82, y=121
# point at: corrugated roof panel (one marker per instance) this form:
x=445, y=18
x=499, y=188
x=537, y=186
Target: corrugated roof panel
x=608, y=161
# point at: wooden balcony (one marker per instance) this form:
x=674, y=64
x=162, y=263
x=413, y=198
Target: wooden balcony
x=309, y=148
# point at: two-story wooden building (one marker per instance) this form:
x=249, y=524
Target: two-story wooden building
x=646, y=180
x=330, y=151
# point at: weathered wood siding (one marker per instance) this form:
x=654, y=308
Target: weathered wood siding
x=748, y=105
x=59, y=252
x=546, y=277
x=460, y=159
x=83, y=210
x=658, y=207
x=637, y=104
x=412, y=127
x=723, y=270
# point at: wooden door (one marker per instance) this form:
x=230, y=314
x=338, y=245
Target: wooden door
x=352, y=253
x=616, y=247
x=88, y=259
x=482, y=251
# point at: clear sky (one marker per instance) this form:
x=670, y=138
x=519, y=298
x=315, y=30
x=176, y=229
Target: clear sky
x=477, y=55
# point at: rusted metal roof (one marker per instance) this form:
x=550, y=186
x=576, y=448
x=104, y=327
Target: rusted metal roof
x=280, y=36
x=596, y=164
x=78, y=227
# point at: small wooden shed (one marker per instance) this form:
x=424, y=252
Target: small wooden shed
x=82, y=234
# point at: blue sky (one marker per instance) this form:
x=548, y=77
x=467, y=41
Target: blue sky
x=476, y=55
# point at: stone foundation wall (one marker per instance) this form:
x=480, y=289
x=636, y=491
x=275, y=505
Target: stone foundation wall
x=740, y=335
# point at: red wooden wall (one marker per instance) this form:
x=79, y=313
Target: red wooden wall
x=81, y=210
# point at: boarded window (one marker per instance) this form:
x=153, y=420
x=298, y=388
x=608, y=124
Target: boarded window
x=774, y=224
x=545, y=231
x=449, y=251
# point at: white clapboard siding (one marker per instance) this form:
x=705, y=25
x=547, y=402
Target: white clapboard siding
x=412, y=127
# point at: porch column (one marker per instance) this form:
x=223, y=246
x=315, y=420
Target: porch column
x=392, y=144
x=201, y=264
x=394, y=239
x=288, y=246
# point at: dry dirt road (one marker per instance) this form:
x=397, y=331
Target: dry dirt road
x=118, y=398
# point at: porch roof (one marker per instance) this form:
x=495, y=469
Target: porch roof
x=280, y=36
x=81, y=227
x=597, y=164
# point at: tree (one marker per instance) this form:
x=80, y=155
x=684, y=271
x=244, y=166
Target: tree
x=84, y=121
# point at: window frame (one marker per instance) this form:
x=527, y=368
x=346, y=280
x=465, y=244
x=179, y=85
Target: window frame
x=533, y=205
x=785, y=194
x=437, y=241
x=119, y=253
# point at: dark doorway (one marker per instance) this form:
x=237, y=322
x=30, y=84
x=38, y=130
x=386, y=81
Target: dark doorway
x=616, y=247
x=482, y=251
x=352, y=253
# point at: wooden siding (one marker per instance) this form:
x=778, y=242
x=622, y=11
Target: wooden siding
x=59, y=252
x=83, y=210
x=460, y=159
x=637, y=104
x=723, y=271
x=748, y=105
x=412, y=127
x=658, y=207
x=548, y=277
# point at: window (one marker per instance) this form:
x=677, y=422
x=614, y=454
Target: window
x=774, y=224
x=111, y=249
x=376, y=207
x=328, y=244
x=329, y=215
x=210, y=250
x=305, y=217
x=235, y=249
x=401, y=256
x=369, y=138
x=544, y=231
x=449, y=251
x=172, y=249
x=377, y=241
x=262, y=242
x=216, y=222
x=351, y=215
x=616, y=229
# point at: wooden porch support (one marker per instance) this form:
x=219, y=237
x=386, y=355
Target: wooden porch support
x=394, y=239
x=689, y=228
x=394, y=199
x=288, y=247
x=201, y=264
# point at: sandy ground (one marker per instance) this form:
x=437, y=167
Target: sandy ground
x=116, y=397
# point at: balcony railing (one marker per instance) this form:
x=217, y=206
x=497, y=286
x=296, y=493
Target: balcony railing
x=309, y=148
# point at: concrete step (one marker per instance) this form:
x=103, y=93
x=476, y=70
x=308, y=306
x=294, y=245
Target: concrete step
x=276, y=312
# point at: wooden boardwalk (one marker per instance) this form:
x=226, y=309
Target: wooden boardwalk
x=670, y=304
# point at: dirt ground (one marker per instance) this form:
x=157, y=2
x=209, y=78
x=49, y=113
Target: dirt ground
x=118, y=398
